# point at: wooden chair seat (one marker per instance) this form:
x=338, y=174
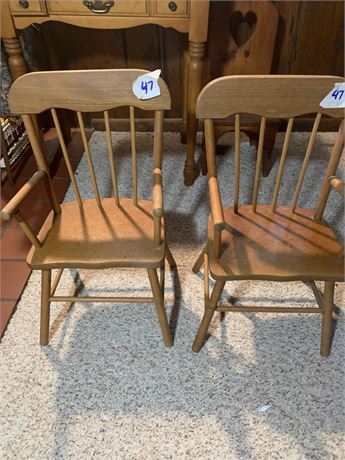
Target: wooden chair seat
x=281, y=245
x=98, y=237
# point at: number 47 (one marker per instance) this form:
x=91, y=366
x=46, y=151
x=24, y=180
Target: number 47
x=337, y=92
x=145, y=86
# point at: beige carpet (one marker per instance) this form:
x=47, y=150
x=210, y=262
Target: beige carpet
x=107, y=388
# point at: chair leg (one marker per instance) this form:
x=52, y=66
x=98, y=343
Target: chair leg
x=45, y=307
x=208, y=315
x=169, y=257
x=206, y=280
x=162, y=279
x=326, y=330
x=200, y=260
x=162, y=317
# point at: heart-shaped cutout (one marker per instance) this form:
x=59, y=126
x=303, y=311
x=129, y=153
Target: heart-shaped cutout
x=242, y=27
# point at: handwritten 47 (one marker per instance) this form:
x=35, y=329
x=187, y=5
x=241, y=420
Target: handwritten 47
x=145, y=86
x=338, y=92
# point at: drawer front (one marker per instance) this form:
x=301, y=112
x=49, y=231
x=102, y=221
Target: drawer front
x=171, y=8
x=98, y=7
x=27, y=7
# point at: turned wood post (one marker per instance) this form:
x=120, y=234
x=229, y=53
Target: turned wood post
x=16, y=62
x=196, y=54
x=199, y=12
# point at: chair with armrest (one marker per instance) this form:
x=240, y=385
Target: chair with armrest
x=270, y=241
x=97, y=233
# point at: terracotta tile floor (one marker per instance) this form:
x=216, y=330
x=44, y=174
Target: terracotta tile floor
x=14, y=245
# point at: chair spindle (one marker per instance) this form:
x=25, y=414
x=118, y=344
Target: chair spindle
x=66, y=157
x=237, y=160
x=158, y=139
x=331, y=169
x=41, y=162
x=259, y=161
x=89, y=159
x=157, y=225
x=27, y=229
x=282, y=163
x=306, y=161
x=111, y=157
x=134, y=155
x=210, y=148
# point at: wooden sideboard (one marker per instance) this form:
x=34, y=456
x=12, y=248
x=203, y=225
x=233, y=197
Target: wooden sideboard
x=185, y=16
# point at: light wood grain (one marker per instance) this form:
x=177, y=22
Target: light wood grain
x=134, y=155
x=277, y=245
x=22, y=222
x=338, y=185
x=102, y=232
x=98, y=237
x=216, y=203
x=89, y=158
x=272, y=96
x=336, y=153
x=162, y=317
x=282, y=164
x=40, y=160
x=20, y=196
x=35, y=7
x=133, y=7
x=208, y=315
x=271, y=241
x=237, y=161
x=258, y=161
x=326, y=331
x=66, y=157
x=180, y=24
x=306, y=161
x=111, y=157
x=82, y=90
x=45, y=306
x=157, y=193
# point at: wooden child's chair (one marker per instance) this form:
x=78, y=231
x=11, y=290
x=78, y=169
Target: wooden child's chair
x=270, y=241
x=100, y=232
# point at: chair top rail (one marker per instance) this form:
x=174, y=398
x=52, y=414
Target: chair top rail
x=82, y=90
x=271, y=96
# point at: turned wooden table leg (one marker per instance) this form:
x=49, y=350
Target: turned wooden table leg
x=185, y=95
x=196, y=54
x=16, y=60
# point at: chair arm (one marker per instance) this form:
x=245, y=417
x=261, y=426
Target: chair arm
x=338, y=185
x=157, y=193
x=216, y=204
x=12, y=206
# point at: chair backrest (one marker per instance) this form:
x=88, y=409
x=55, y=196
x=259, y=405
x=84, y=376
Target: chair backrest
x=87, y=91
x=270, y=97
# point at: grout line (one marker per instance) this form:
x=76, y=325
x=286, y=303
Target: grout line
x=12, y=260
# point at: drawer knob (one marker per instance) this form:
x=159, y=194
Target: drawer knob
x=172, y=6
x=99, y=6
x=24, y=3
